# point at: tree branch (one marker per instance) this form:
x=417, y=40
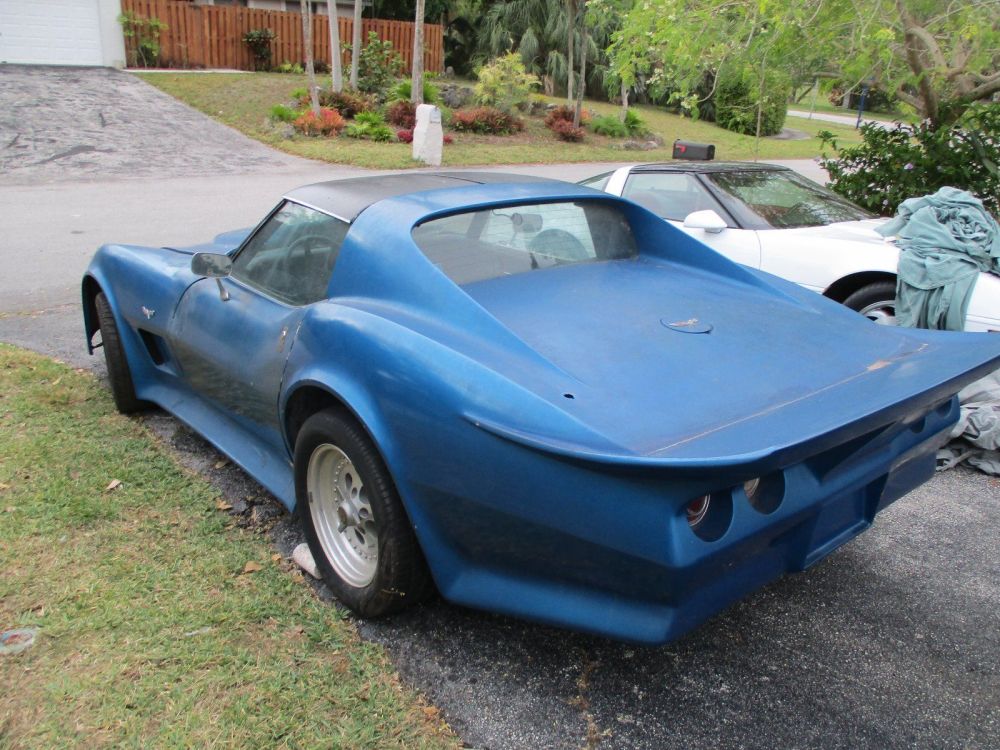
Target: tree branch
x=991, y=86
x=914, y=101
x=929, y=43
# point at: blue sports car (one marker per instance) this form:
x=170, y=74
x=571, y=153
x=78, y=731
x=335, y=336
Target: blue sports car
x=537, y=398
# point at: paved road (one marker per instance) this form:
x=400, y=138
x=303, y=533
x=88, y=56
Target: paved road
x=839, y=119
x=892, y=642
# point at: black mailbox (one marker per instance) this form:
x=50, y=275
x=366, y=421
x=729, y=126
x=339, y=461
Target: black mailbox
x=688, y=150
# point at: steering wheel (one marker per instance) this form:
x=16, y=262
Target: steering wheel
x=558, y=244
x=800, y=210
x=301, y=248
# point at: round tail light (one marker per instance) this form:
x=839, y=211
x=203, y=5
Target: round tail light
x=697, y=509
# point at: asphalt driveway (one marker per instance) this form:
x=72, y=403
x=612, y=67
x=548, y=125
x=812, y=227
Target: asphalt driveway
x=891, y=642
x=97, y=123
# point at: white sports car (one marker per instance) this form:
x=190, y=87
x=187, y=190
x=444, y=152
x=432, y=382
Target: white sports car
x=769, y=217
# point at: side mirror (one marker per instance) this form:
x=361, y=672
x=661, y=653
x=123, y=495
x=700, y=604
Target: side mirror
x=211, y=265
x=708, y=220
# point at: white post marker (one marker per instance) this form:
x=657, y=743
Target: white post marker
x=428, y=137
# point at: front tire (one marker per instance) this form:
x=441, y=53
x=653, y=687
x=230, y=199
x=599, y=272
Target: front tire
x=353, y=520
x=122, y=387
x=876, y=301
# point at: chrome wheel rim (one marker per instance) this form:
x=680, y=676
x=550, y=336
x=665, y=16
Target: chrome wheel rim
x=882, y=313
x=342, y=515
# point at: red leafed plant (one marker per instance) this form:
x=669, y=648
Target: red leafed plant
x=565, y=131
x=329, y=122
x=403, y=114
x=406, y=136
x=563, y=113
x=486, y=120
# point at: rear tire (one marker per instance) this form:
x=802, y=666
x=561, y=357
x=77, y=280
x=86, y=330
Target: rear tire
x=122, y=387
x=359, y=534
x=876, y=301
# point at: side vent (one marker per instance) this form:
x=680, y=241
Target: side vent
x=155, y=345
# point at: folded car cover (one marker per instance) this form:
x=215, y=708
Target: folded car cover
x=976, y=436
x=945, y=240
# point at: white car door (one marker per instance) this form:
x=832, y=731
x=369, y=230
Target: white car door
x=675, y=195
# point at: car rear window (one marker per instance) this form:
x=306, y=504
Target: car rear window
x=488, y=243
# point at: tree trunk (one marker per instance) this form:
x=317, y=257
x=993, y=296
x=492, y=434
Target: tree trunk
x=580, y=89
x=417, y=76
x=355, y=44
x=336, y=74
x=307, y=43
x=570, y=58
x=760, y=108
x=624, y=112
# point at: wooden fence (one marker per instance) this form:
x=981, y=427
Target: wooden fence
x=209, y=36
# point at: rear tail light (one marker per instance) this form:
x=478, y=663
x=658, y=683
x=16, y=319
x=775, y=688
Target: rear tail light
x=697, y=510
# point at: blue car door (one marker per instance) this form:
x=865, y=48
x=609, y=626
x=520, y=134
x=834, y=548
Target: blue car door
x=232, y=338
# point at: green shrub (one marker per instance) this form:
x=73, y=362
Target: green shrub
x=259, y=42
x=283, y=113
x=504, y=83
x=288, y=67
x=737, y=94
x=485, y=120
x=378, y=66
x=403, y=89
x=300, y=93
x=634, y=124
x=146, y=35
x=369, y=126
x=891, y=165
x=609, y=125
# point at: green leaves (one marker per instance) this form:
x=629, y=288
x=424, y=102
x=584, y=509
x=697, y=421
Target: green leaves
x=891, y=165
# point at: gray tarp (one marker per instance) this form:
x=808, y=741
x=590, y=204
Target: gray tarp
x=976, y=436
x=945, y=241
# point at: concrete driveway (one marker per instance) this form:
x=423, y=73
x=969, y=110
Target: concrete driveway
x=892, y=642
x=97, y=123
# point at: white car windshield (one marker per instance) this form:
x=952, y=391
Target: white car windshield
x=783, y=199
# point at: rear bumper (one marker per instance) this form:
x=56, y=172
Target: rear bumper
x=615, y=555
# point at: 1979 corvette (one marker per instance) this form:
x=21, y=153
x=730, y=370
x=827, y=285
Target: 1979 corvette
x=539, y=398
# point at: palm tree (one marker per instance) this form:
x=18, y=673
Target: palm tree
x=356, y=44
x=307, y=42
x=417, y=75
x=570, y=33
x=336, y=74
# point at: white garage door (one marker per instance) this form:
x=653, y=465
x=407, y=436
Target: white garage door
x=53, y=32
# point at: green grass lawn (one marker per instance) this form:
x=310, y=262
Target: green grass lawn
x=243, y=101
x=151, y=633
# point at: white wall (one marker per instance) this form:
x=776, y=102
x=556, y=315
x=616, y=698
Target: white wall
x=112, y=40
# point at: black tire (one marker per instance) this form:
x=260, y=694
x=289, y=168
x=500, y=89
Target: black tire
x=119, y=373
x=876, y=300
x=401, y=576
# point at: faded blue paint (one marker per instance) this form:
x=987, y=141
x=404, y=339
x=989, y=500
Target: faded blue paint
x=525, y=501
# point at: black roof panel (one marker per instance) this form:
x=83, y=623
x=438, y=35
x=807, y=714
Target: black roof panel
x=710, y=166
x=348, y=198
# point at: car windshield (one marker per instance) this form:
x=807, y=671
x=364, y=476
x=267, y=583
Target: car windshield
x=783, y=199
x=494, y=242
